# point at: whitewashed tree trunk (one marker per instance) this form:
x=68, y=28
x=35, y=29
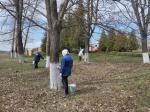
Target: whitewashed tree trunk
x=145, y=57
x=55, y=78
x=142, y=15
x=21, y=58
x=15, y=54
x=86, y=57
x=55, y=19
x=19, y=12
x=13, y=41
x=11, y=55
x=47, y=61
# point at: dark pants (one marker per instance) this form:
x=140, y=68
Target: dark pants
x=36, y=64
x=80, y=58
x=65, y=84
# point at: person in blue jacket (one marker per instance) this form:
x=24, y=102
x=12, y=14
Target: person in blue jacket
x=65, y=70
x=36, y=59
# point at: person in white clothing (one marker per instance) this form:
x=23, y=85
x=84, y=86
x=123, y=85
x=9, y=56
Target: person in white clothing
x=80, y=54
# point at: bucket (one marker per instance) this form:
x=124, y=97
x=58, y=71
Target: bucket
x=72, y=88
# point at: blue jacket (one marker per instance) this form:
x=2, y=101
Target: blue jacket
x=66, y=65
x=37, y=57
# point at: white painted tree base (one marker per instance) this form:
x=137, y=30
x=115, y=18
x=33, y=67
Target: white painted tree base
x=11, y=55
x=55, y=78
x=15, y=55
x=47, y=61
x=21, y=58
x=86, y=57
x=146, y=58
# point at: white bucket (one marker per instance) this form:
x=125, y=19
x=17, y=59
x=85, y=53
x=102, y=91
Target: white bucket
x=72, y=88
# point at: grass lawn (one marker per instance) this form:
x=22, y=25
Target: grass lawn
x=109, y=83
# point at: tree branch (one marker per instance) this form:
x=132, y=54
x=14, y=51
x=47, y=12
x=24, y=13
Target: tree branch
x=62, y=11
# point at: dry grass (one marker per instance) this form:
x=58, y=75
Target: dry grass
x=101, y=87
x=4, y=56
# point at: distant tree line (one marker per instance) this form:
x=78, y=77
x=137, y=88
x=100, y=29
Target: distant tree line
x=118, y=41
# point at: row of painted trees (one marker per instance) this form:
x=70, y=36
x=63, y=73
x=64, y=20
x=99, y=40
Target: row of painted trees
x=118, y=41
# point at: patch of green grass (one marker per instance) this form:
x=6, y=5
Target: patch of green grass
x=132, y=54
x=128, y=57
x=111, y=57
x=75, y=57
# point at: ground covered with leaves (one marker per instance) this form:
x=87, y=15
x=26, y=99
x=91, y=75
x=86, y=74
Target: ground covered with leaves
x=102, y=86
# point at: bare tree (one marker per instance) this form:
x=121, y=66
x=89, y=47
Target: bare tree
x=136, y=16
x=18, y=6
x=6, y=32
x=142, y=12
x=54, y=24
x=48, y=42
x=13, y=40
x=48, y=49
x=92, y=12
x=28, y=20
x=19, y=10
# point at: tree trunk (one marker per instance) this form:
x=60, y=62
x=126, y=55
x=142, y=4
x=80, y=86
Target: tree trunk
x=53, y=38
x=54, y=19
x=47, y=49
x=12, y=48
x=88, y=32
x=16, y=51
x=144, y=44
x=55, y=80
x=143, y=18
x=19, y=9
x=145, y=49
x=48, y=42
x=13, y=41
x=86, y=56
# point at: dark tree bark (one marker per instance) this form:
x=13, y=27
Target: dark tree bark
x=144, y=42
x=47, y=49
x=48, y=42
x=54, y=19
x=142, y=21
x=19, y=11
x=13, y=41
x=142, y=14
x=92, y=12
